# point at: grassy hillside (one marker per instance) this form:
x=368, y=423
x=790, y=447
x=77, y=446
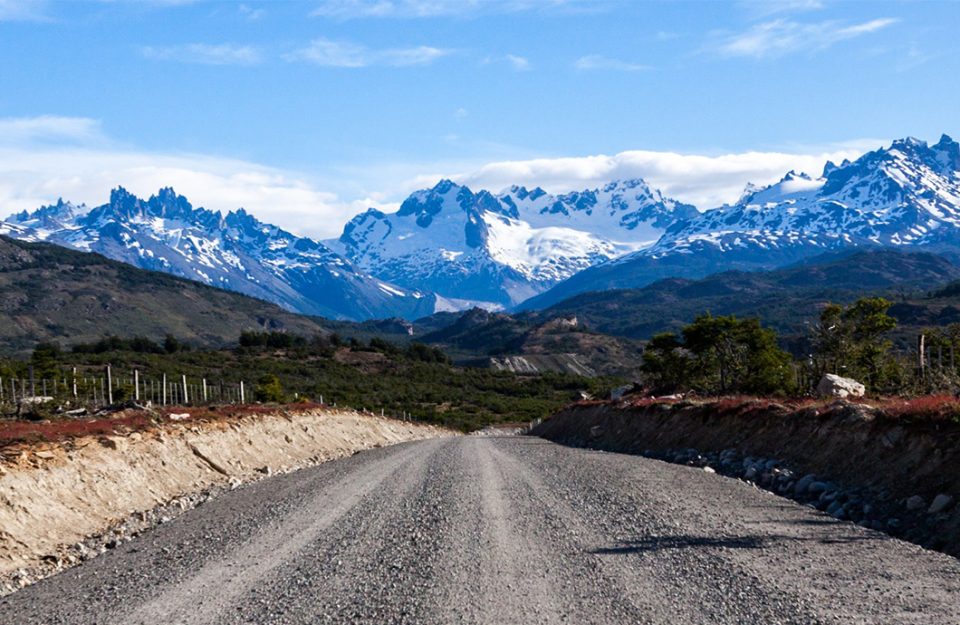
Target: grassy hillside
x=53, y=293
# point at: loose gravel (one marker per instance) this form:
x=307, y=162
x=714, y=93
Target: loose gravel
x=500, y=530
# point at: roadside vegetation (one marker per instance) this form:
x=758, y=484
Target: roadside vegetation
x=415, y=380
x=726, y=355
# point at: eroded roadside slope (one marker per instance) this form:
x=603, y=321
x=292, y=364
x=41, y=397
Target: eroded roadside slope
x=54, y=496
x=897, y=467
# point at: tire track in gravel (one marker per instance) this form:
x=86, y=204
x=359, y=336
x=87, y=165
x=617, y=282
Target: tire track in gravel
x=375, y=566
x=221, y=584
x=586, y=512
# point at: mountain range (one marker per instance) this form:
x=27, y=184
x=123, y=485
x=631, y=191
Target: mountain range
x=906, y=196
x=235, y=251
x=499, y=250
x=449, y=248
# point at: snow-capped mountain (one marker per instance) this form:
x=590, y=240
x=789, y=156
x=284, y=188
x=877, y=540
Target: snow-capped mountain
x=498, y=250
x=235, y=252
x=906, y=195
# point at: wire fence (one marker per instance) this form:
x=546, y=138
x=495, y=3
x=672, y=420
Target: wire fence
x=109, y=389
x=83, y=393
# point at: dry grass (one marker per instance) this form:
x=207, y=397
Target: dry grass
x=126, y=421
x=14, y=432
x=930, y=408
x=925, y=408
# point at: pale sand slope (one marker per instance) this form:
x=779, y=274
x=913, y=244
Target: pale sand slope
x=57, y=497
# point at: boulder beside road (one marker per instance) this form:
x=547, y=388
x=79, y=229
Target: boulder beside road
x=838, y=386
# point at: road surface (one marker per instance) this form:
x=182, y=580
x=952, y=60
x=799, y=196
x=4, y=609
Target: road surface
x=499, y=530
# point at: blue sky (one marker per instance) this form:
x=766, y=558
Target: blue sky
x=307, y=112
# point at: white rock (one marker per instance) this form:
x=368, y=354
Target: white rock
x=836, y=386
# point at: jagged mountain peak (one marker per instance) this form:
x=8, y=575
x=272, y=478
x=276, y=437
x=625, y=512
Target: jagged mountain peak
x=236, y=252
x=905, y=195
x=498, y=249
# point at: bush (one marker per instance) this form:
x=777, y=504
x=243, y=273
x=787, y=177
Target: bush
x=269, y=389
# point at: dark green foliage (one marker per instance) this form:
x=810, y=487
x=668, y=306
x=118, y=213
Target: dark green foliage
x=172, y=345
x=269, y=389
x=719, y=355
x=139, y=344
x=275, y=340
x=425, y=353
x=851, y=341
x=666, y=365
x=45, y=358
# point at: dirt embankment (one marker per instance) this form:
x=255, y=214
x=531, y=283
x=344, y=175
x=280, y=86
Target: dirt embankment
x=895, y=466
x=55, y=495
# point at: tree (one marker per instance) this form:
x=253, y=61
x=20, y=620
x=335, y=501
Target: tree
x=851, y=341
x=718, y=355
x=269, y=389
x=666, y=364
x=45, y=359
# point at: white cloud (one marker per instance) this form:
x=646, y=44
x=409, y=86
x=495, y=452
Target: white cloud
x=49, y=128
x=44, y=158
x=519, y=63
x=596, y=61
x=410, y=9
x=328, y=53
x=763, y=8
x=23, y=10
x=250, y=12
x=36, y=169
x=779, y=37
x=205, y=54
x=702, y=180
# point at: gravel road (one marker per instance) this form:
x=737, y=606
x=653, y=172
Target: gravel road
x=500, y=530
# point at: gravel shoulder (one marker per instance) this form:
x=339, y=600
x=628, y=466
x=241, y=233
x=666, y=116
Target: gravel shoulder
x=500, y=530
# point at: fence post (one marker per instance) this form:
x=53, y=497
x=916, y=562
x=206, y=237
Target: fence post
x=163, y=389
x=920, y=356
x=136, y=386
x=241, y=392
x=186, y=398
x=109, y=386
x=204, y=390
x=74, y=382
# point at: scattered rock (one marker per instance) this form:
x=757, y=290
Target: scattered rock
x=940, y=503
x=837, y=386
x=915, y=503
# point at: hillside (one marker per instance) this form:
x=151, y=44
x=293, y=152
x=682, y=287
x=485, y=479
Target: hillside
x=785, y=299
x=53, y=293
x=526, y=344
